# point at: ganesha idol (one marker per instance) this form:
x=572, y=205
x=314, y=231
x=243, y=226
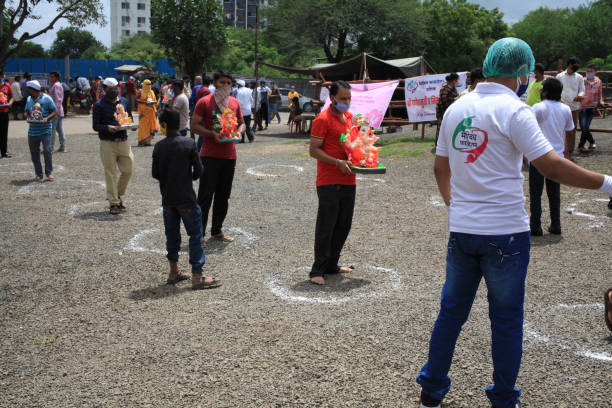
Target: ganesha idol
x=359, y=146
x=229, y=125
x=122, y=116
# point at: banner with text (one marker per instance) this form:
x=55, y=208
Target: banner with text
x=371, y=100
x=422, y=95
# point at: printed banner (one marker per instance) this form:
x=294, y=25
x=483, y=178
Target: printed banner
x=371, y=100
x=422, y=95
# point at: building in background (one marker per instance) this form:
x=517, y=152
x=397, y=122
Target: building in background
x=129, y=17
x=241, y=13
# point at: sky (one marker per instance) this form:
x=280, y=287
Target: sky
x=513, y=11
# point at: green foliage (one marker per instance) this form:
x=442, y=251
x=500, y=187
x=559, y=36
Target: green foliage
x=74, y=42
x=460, y=33
x=30, y=49
x=191, y=31
x=140, y=47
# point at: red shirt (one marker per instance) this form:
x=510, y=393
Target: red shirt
x=207, y=109
x=6, y=93
x=130, y=88
x=202, y=92
x=329, y=127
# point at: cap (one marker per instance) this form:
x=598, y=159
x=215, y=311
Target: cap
x=33, y=84
x=110, y=82
x=241, y=82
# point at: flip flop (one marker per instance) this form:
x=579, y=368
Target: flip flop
x=178, y=278
x=608, y=307
x=215, y=283
x=224, y=238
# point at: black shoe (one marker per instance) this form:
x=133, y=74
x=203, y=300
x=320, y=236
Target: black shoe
x=554, y=230
x=428, y=401
x=536, y=232
x=121, y=205
x=610, y=204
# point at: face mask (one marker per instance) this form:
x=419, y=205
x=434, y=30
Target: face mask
x=112, y=95
x=520, y=87
x=575, y=68
x=341, y=107
x=590, y=76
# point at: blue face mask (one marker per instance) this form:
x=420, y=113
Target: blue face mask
x=590, y=76
x=341, y=107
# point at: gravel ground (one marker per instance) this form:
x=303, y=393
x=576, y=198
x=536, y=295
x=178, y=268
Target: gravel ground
x=87, y=320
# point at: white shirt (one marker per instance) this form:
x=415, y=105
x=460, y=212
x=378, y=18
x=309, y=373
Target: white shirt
x=554, y=119
x=484, y=135
x=245, y=98
x=83, y=83
x=16, y=88
x=211, y=88
x=573, y=86
x=181, y=105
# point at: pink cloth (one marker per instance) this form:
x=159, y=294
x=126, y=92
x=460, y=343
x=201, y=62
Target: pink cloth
x=57, y=94
x=592, y=93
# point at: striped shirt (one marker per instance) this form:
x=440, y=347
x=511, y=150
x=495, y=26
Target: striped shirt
x=48, y=107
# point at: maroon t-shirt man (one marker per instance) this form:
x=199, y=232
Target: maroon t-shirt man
x=130, y=88
x=207, y=109
x=202, y=92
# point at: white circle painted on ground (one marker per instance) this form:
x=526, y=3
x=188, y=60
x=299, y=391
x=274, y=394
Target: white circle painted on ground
x=25, y=168
x=595, y=221
x=282, y=285
x=260, y=170
x=436, y=202
x=538, y=335
x=153, y=241
x=366, y=181
x=63, y=184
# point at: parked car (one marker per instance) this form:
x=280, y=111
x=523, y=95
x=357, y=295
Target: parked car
x=305, y=102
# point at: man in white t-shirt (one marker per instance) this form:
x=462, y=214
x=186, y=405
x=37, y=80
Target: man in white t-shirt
x=573, y=92
x=245, y=98
x=83, y=84
x=555, y=119
x=180, y=103
x=483, y=138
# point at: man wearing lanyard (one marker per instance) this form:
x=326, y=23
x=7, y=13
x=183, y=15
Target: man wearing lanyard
x=336, y=184
x=115, y=151
x=479, y=156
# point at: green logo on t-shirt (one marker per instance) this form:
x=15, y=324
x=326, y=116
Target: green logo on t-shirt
x=470, y=140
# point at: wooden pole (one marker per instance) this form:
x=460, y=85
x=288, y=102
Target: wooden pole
x=256, y=62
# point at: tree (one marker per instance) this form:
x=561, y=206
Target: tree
x=30, y=49
x=139, y=47
x=76, y=12
x=343, y=27
x=460, y=33
x=192, y=31
x=72, y=42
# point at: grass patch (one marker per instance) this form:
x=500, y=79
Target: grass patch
x=403, y=147
x=290, y=142
x=300, y=154
x=41, y=341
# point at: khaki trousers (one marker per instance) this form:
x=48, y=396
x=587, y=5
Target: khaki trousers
x=116, y=154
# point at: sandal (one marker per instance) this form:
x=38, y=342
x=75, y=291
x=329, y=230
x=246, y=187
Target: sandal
x=173, y=279
x=222, y=237
x=608, y=307
x=114, y=210
x=214, y=283
x=37, y=178
x=121, y=205
x=50, y=177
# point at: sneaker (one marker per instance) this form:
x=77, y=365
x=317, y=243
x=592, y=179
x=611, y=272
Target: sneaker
x=593, y=146
x=554, y=230
x=428, y=401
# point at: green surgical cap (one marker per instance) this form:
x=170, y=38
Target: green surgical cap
x=508, y=57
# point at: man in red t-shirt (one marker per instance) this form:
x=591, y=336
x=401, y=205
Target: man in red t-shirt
x=219, y=159
x=130, y=92
x=335, y=183
x=6, y=100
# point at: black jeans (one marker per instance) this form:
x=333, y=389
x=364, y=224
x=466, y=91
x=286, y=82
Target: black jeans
x=586, y=116
x=262, y=115
x=4, y=122
x=553, y=190
x=334, y=219
x=249, y=131
x=216, y=182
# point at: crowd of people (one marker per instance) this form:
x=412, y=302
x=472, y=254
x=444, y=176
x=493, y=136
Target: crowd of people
x=482, y=188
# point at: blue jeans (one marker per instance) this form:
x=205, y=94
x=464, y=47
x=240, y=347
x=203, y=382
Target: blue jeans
x=192, y=220
x=47, y=143
x=184, y=132
x=56, y=123
x=502, y=260
x=273, y=112
x=586, y=116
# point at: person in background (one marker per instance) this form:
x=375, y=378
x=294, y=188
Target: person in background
x=245, y=98
x=56, y=92
x=180, y=103
x=448, y=95
x=205, y=89
x=130, y=92
x=24, y=88
x=592, y=98
x=554, y=118
x=40, y=107
x=197, y=84
x=6, y=98
x=290, y=97
x=147, y=122
x=475, y=78
x=535, y=88
x=115, y=150
x=573, y=92
x=262, y=105
x=275, y=100
x=187, y=86
x=176, y=164
x=18, y=98
x=66, y=99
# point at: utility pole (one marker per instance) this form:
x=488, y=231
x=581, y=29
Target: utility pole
x=256, y=62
